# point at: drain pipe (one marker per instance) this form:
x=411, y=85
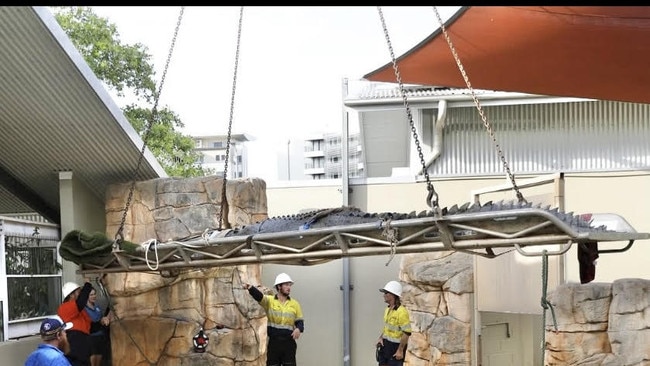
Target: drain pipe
x=345, y=200
x=436, y=150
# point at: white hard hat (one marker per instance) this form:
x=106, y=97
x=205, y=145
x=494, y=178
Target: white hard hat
x=393, y=287
x=68, y=288
x=282, y=278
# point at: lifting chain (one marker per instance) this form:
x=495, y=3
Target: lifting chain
x=119, y=236
x=487, y=124
x=432, y=198
x=224, y=203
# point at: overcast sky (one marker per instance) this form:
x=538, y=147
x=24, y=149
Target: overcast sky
x=292, y=61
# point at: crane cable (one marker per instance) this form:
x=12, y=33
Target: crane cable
x=223, y=211
x=487, y=124
x=119, y=236
x=432, y=197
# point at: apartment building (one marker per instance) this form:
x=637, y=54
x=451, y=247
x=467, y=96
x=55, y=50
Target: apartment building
x=323, y=156
x=213, y=154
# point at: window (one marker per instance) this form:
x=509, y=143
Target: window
x=319, y=162
x=313, y=145
x=33, y=276
x=218, y=144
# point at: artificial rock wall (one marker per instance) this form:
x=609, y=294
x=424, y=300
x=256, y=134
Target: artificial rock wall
x=438, y=293
x=604, y=324
x=159, y=316
x=600, y=324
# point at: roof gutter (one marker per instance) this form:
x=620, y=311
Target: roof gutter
x=491, y=96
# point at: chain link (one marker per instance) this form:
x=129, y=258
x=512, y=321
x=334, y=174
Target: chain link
x=487, y=124
x=432, y=198
x=222, y=211
x=119, y=236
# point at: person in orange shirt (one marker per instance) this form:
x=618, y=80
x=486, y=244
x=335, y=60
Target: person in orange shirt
x=75, y=299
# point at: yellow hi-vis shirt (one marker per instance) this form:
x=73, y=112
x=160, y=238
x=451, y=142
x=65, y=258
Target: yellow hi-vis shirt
x=281, y=317
x=396, y=322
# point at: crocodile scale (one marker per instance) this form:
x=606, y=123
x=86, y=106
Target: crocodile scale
x=347, y=215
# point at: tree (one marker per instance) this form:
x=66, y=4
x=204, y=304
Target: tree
x=125, y=69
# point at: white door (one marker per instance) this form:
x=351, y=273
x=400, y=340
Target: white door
x=499, y=344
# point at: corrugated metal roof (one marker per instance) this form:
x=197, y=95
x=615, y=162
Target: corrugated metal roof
x=55, y=115
x=385, y=94
x=380, y=91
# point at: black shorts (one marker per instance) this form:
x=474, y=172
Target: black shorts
x=98, y=344
x=79, y=348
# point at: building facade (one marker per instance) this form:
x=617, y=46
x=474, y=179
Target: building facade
x=213, y=154
x=324, y=153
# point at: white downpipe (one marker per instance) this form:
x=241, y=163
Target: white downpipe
x=345, y=262
x=436, y=149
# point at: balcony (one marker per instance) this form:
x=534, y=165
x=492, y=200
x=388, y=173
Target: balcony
x=314, y=171
x=314, y=154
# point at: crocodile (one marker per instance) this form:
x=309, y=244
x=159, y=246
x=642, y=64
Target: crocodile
x=349, y=215
x=320, y=235
x=346, y=215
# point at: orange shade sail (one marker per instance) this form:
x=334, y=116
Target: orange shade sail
x=599, y=52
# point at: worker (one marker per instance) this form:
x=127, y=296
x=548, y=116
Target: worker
x=391, y=345
x=51, y=352
x=285, y=322
x=72, y=310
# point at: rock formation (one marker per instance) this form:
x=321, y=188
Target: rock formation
x=157, y=317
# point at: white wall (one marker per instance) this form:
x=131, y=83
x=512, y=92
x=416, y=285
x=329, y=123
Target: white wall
x=80, y=210
x=626, y=194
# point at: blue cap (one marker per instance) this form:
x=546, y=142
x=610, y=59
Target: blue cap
x=51, y=326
